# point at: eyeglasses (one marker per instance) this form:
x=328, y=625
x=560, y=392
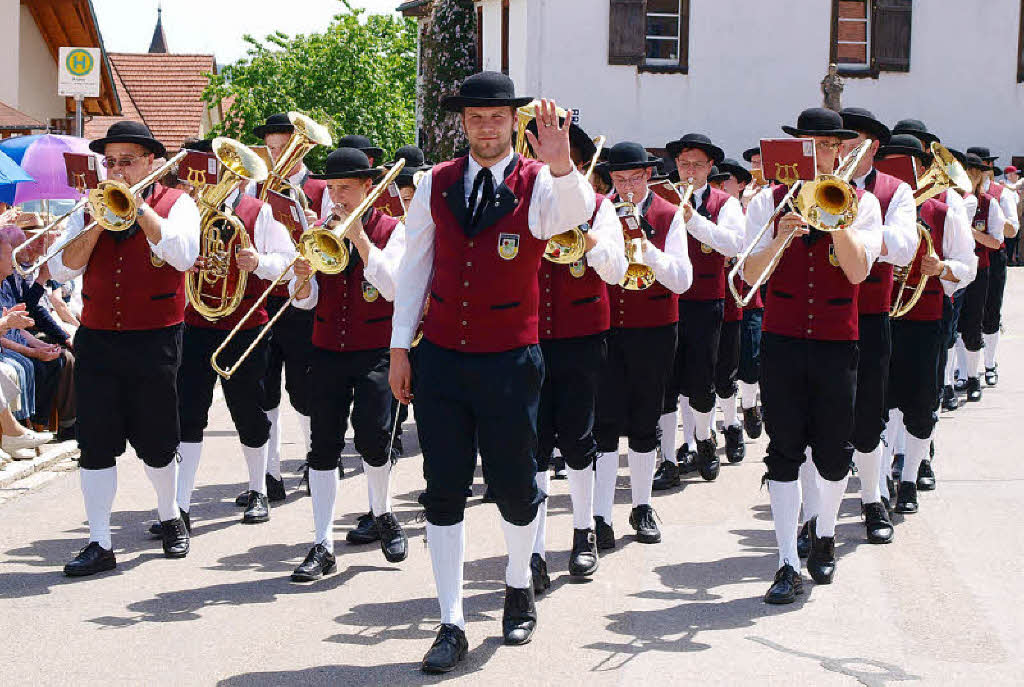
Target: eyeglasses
x=693, y=165
x=632, y=179
x=111, y=162
x=825, y=145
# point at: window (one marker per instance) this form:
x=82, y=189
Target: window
x=663, y=32
x=852, y=38
x=651, y=34
x=504, y=36
x=871, y=36
x=1020, y=47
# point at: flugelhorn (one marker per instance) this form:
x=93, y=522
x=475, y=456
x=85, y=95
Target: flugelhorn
x=307, y=135
x=325, y=249
x=638, y=275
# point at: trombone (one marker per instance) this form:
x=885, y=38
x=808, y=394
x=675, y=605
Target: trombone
x=325, y=249
x=111, y=204
x=827, y=203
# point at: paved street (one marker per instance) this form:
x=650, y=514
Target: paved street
x=942, y=605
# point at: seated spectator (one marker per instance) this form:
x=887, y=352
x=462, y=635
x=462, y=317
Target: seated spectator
x=31, y=290
x=17, y=442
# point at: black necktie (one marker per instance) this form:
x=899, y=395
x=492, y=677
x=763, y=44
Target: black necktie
x=484, y=185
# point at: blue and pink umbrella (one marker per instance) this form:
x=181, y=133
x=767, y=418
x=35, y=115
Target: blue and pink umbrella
x=41, y=156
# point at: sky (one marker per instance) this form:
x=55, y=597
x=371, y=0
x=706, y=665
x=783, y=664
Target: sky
x=216, y=26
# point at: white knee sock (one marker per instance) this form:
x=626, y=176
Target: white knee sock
x=581, y=491
x=519, y=540
x=606, y=474
x=688, y=422
x=274, y=443
x=641, y=474
x=447, y=551
x=544, y=484
x=868, y=470
x=667, y=423
x=917, y=451
x=785, y=501
x=961, y=357
x=702, y=424
x=323, y=486
x=901, y=437
x=187, y=469
x=256, y=462
x=165, y=483
x=973, y=363
x=98, y=489
x=730, y=416
x=809, y=488
x=748, y=395
x=830, y=497
x=991, y=341
x=304, y=426
x=378, y=482
x=950, y=367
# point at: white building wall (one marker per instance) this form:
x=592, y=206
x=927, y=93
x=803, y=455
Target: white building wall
x=10, y=40
x=491, y=34
x=37, y=90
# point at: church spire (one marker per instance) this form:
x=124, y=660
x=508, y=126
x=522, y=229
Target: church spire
x=159, y=42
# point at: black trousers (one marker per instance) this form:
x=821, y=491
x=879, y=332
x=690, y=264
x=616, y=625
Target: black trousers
x=352, y=383
x=127, y=393
x=485, y=401
x=913, y=385
x=728, y=364
x=750, y=346
x=972, y=313
x=243, y=393
x=996, y=285
x=693, y=374
x=872, y=377
x=631, y=390
x=291, y=347
x=807, y=394
x=568, y=399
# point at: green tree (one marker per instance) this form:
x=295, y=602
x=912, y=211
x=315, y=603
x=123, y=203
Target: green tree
x=357, y=77
x=448, y=56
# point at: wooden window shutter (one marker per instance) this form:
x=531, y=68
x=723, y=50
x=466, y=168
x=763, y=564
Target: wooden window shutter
x=890, y=35
x=627, y=31
x=1020, y=47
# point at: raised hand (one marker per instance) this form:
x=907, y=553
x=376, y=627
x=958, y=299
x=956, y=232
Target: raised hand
x=551, y=144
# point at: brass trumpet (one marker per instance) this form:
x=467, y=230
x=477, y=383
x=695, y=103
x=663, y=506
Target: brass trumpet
x=307, y=135
x=638, y=275
x=325, y=249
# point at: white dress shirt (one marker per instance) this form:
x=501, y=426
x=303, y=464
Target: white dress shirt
x=608, y=257
x=970, y=205
x=728, y=236
x=556, y=205
x=271, y=240
x=1007, y=203
x=179, y=239
x=671, y=266
x=957, y=204
x=958, y=252
x=899, y=226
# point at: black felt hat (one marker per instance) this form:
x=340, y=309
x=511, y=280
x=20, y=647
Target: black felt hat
x=733, y=167
x=975, y=161
x=717, y=175
x=904, y=144
x=201, y=145
x=698, y=141
x=983, y=152
x=859, y=119
x=127, y=131
x=360, y=142
x=628, y=155
x=749, y=153
x=818, y=121
x=414, y=162
x=275, y=124
x=960, y=157
x=485, y=89
x=915, y=127
x=348, y=163
x=578, y=138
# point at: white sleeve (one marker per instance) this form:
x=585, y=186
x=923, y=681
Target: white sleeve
x=310, y=301
x=415, y=268
x=274, y=245
x=608, y=257
x=179, y=235
x=970, y=208
x=1008, y=204
x=382, y=267
x=759, y=211
x=958, y=252
x=995, y=221
x=868, y=226
x=672, y=265
x=728, y=236
x=58, y=270
x=899, y=228
x=558, y=204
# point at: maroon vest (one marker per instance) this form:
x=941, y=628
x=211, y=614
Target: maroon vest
x=484, y=294
x=929, y=307
x=351, y=315
x=876, y=291
x=732, y=312
x=655, y=306
x=809, y=296
x=247, y=211
x=708, y=277
x=573, y=299
x=981, y=224
x=122, y=290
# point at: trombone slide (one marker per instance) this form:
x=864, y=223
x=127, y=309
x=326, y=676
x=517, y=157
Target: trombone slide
x=785, y=206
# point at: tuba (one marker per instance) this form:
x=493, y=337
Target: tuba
x=638, y=275
x=217, y=288
x=307, y=135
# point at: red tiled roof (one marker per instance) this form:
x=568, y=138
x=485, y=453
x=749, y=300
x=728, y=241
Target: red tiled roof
x=14, y=119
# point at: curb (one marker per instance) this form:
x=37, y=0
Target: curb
x=54, y=453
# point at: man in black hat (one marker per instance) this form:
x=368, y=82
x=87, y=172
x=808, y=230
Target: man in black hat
x=757, y=183
x=715, y=231
x=128, y=346
x=809, y=353
x=350, y=360
x=641, y=344
x=362, y=143
x=475, y=234
x=415, y=166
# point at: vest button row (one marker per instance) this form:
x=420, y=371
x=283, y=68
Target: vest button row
x=472, y=243
x=465, y=304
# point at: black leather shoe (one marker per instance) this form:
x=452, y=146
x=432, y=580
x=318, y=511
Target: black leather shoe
x=960, y=385
x=735, y=451
x=605, y=533
x=752, y=422
x=520, y=617
x=393, y=541
x=641, y=519
x=242, y=500
x=488, y=495
x=275, y=489
x=318, y=562
x=906, y=499
x=787, y=586
x=583, y=559
x=176, y=539
x=686, y=459
x=257, y=509
x=803, y=541
x=157, y=530
x=666, y=476
x=91, y=560
x=707, y=460
x=821, y=561
x=950, y=401
x=991, y=376
x=973, y=389
x=448, y=649
x=366, y=531
x=539, y=571
x=925, y=476
x=877, y=523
